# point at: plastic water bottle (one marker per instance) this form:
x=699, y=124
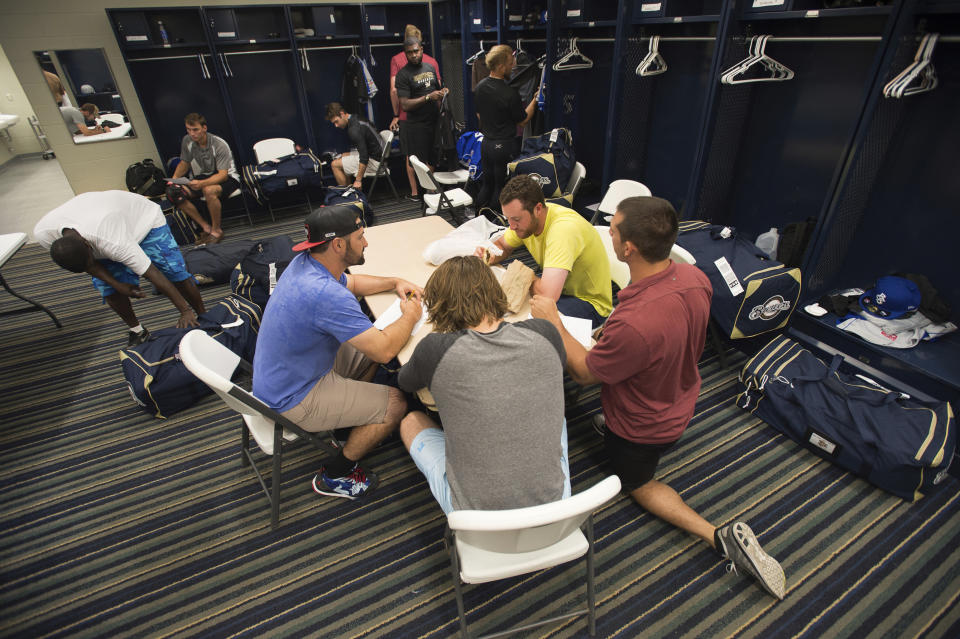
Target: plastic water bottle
x=163, y=33
x=767, y=242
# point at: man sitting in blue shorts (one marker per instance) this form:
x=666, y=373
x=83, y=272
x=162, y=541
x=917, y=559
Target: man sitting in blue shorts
x=496, y=450
x=116, y=237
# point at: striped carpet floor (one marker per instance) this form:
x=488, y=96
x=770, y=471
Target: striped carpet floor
x=115, y=524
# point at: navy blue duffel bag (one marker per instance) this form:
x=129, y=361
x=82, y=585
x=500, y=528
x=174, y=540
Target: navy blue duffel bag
x=255, y=277
x=752, y=294
x=898, y=443
x=158, y=380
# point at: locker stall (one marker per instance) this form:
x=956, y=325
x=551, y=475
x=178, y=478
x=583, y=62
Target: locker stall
x=896, y=203
x=664, y=84
x=773, y=146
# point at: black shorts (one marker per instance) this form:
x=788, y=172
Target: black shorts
x=417, y=138
x=634, y=463
x=229, y=185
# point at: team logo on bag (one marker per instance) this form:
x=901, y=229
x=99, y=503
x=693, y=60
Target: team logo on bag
x=539, y=179
x=769, y=309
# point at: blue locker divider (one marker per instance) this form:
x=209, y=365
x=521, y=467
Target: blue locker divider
x=322, y=84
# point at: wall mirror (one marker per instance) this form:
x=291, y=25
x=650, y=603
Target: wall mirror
x=85, y=91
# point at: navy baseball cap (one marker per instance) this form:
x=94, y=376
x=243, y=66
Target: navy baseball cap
x=891, y=297
x=329, y=222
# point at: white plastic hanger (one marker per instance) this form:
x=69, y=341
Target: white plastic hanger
x=920, y=67
x=573, y=59
x=653, y=63
x=479, y=54
x=757, y=59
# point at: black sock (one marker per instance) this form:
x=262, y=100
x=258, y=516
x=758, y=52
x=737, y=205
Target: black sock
x=338, y=466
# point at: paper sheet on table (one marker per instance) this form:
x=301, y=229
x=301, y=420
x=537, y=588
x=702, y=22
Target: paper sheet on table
x=581, y=329
x=392, y=314
x=181, y=180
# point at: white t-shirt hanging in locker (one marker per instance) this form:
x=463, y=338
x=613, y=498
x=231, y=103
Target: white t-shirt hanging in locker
x=113, y=222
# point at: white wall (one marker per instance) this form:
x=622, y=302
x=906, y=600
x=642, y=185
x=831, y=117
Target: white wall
x=14, y=101
x=35, y=25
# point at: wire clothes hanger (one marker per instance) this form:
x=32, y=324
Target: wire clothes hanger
x=479, y=54
x=653, y=63
x=921, y=66
x=757, y=60
x=573, y=59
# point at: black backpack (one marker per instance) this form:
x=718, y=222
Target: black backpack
x=146, y=178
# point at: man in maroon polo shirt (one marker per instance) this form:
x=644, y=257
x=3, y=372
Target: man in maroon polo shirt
x=646, y=361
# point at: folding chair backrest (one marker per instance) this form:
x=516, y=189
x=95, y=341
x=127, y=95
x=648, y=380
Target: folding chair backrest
x=273, y=148
x=619, y=271
x=530, y=529
x=576, y=179
x=387, y=136
x=681, y=255
x=214, y=364
x=620, y=190
x=423, y=174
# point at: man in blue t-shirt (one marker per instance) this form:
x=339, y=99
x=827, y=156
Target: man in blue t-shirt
x=317, y=351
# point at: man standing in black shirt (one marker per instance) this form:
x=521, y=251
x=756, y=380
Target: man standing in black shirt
x=420, y=94
x=500, y=113
x=364, y=137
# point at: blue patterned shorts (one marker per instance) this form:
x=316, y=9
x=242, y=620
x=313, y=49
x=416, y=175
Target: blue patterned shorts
x=162, y=250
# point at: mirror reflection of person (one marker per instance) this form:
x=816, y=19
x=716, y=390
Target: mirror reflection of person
x=76, y=121
x=207, y=157
x=56, y=89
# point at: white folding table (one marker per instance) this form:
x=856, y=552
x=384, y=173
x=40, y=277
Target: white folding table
x=10, y=243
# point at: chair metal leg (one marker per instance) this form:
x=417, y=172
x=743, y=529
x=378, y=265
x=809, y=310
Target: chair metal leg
x=373, y=185
x=36, y=306
x=275, y=484
x=457, y=588
x=591, y=593
x=396, y=196
x=717, y=342
x=244, y=444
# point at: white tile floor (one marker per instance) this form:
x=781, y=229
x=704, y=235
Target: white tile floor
x=29, y=188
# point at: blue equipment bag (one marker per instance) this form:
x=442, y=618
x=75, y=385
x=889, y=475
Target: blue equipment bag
x=255, y=277
x=550, y=158
x=468, y=150
x=213, y=263
x=273, y=176
x=752, y=294
x=158, y=380
x=901, y=444
x=349, y=195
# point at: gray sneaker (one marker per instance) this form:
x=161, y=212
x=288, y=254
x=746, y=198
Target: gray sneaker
x=135, y=339
x=599, y=424
x=738, y=544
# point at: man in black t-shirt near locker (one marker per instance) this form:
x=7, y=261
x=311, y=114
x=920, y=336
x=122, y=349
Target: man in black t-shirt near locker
x=420, y=94
x=364, y=137
x=500, y=112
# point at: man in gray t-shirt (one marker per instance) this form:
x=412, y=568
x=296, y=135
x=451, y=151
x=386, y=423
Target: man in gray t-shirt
x=499, y=391
x=207, y=159
x=77, y=124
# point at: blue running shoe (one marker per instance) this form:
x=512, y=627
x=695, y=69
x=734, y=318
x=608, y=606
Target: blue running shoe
x=358, y=484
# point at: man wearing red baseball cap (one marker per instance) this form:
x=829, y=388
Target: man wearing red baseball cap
x=317, y=351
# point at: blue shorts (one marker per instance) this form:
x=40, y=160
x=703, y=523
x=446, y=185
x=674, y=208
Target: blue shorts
x=576, y=307
x=163, y=252
x=429, y=453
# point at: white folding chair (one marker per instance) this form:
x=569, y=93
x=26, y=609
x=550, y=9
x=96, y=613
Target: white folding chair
x=383, y=171
x=214, y=364
x=273, y=148
x=619, y=271
x=496, y=544
x=577, y=176
x=616, y=193
x=451, y=200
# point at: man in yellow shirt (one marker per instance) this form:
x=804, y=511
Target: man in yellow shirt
x=576, y=271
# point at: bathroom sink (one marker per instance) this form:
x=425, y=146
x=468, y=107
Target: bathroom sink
x=7, y=121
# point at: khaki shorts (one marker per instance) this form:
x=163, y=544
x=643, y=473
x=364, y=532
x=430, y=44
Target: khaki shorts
x=338, y=400
x=351, y=164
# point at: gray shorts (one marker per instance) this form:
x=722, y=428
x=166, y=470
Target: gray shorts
x=339, y=400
